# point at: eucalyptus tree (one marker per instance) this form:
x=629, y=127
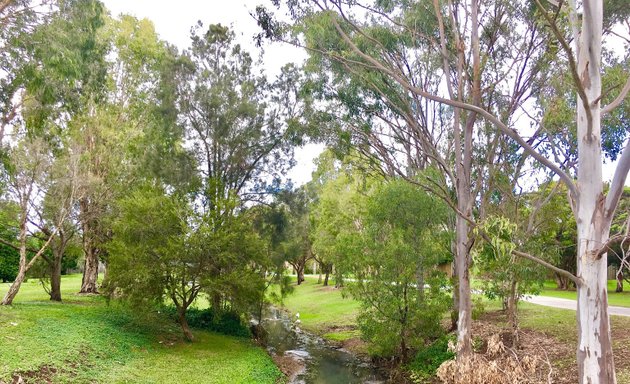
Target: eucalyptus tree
x=18, y=20
x=241, y=127
x=297, y=246
x=466, y=46
x=379, y=63
x=101, y=89
x=30, y=181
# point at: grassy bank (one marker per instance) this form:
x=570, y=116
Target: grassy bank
x=324, y=310
x=620, y=299
x=84, y=340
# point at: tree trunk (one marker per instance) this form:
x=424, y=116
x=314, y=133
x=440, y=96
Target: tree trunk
x=403, y=346
x=184, y=324
x=300, y=274
x=593, y=216
x=326, y=278
x=561, y=282
x=454, y=279
x=15, y=287
x=464, y=316
x=512, y=307
x=89, y=283
x=55, y=278
x=619, y=280
x=594, y=352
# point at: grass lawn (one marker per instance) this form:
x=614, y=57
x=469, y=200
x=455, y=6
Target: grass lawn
x=324, y=310
x=84, y=340
x=621, y=299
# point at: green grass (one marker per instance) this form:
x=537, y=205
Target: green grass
x=343, y=335
x=322, y=308
x=85, y=341
x=621, y=299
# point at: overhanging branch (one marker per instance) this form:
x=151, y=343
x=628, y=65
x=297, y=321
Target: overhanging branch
x=618, y=100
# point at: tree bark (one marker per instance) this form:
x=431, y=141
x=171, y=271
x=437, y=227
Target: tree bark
x=464, y=316
x=300, y=275
x=326, y=278
x=619, y=276
x=594, y=352
x=561, y=282
x=15, y=287
x=184, y=324
x=512, y=308
x=55, y=278
x=89, y=283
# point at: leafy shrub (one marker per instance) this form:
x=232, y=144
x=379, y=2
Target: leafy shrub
x=9, y=263
x=478, y=307
x=225, y=322
x=428, y=359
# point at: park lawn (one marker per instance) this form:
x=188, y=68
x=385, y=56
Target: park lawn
x=621, y=299
x=323, y=310
x=85, y=340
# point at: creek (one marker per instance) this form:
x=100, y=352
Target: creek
x=319, y=362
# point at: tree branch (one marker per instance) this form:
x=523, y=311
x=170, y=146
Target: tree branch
x=617, y=184
x=459, y=104
x=572, y=64
x=578, y=281
x=618, y=100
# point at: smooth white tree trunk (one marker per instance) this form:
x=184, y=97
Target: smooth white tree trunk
x=594, y=351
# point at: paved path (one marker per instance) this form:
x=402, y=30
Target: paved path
x=572, y=304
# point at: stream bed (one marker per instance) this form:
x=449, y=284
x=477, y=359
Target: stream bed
x=316, y=361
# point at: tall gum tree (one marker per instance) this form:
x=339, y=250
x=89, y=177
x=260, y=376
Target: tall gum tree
x=378, y=72
x=592, y=208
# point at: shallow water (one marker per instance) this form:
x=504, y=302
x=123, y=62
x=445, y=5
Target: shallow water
x=324, y=364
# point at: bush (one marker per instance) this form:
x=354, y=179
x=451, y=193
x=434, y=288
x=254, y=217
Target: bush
x=225, y=322
x=478, y=307
x=9, y=263
x=426, y=362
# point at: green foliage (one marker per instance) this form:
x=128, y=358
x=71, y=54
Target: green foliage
x=506, y=276
x=389, y=237
x=9, y=256
x=403, y=295
x=178, y=256
x=429, y=358
x=9, y=263
x=478, y=307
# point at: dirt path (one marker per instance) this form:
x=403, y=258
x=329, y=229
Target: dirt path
x=572, y=304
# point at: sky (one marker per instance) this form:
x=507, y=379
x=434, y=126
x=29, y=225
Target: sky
x=173, y=21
